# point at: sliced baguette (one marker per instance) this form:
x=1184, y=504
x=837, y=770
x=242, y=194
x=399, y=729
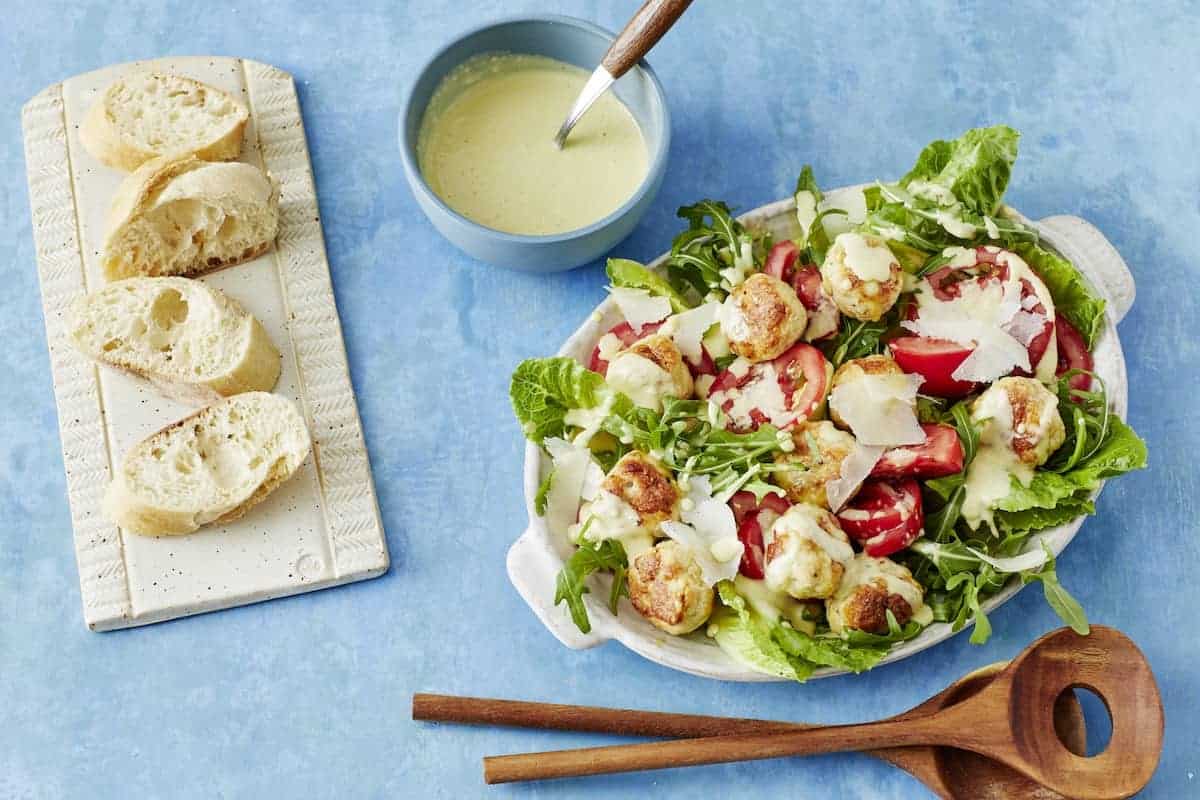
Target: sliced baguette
x=210, y=467
x=188, y=339
x=184, y=216
x=147, y=115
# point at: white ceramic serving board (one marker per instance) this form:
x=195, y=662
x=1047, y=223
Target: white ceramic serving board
x=320, y=529
x=536, y=557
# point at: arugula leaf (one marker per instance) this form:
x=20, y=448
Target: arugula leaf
x=1059, y=599
x=1072, y=296
x=543, y=494
x=855, y=340
x=590, y=557
x=631, y=274
x=968, y=431
x=975, y=167
x=714, y=247
x=543, y=390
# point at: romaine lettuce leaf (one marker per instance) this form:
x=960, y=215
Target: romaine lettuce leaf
x=975, y=167
x=747, y=638
x=543, y=390
x=1072, y=297
x=630, y=274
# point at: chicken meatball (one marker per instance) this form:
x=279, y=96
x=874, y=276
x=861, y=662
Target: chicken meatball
x=818, y=452
x=806, y=553
x=667, y=588
x=649, y=370
x=762, y=317
x=1020, y=414
x=856, y=368
x=870, y=588
x=862, y=276
x=635, y=498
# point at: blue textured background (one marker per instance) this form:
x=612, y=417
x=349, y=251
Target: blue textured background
x=309, y=697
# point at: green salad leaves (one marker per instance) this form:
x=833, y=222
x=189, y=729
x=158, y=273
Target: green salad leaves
x=543, y=390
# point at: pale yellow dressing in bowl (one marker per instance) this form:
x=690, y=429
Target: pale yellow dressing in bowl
x=486, y=146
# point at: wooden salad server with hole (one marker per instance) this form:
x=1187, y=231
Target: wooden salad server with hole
x=949, y=773
x=1010, y=720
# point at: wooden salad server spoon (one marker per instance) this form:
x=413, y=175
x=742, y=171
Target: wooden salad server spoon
x=951, y=774
x=1010, y=720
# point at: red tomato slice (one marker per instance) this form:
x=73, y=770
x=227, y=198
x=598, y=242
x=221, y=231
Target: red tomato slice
x=752, y=519
x=807, y=283
x=781, y=260
x=803, y=361
x=625, y=332
x=885, y=516
x=1073, y=354
x=753, y=561
x=940, y=454
x=803, y=375
x=934, y=360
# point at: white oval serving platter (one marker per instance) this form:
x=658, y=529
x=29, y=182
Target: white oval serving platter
x=536, y=557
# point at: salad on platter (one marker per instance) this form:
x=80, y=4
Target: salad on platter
x=811, y=448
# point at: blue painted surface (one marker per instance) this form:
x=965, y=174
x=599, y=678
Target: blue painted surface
x=309, y=697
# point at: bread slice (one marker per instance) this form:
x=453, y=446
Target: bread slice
x=188, y=339
x=147, y=115
x=210, y=467
x=184, y=216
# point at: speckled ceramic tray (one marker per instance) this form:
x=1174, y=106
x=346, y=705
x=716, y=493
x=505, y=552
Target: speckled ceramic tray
x=537, y=556
x=320, y=529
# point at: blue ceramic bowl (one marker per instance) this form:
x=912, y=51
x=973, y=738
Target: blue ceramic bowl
x=575, y=42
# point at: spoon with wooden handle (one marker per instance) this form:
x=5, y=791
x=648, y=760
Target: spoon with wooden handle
x=1010, y=720
x=951, y=774
x=648, y=25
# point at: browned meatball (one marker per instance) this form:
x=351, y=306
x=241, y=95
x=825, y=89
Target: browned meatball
x=870, y=588
x=667, y=588
x=819, y=450
x=762, y=317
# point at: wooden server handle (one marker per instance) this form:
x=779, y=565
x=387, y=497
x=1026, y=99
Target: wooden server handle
x=590, y=719
x=648, y=25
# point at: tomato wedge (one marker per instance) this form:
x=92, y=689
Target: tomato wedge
x=1073, y=354
x=781, y=260
x=752, y=519
x=934, y=360
x=885, y=516
x=625, y=332
x=803, y=375
x=939, y=455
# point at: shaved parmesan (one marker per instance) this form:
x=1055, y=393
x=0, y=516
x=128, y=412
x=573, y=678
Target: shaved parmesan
x=639, y=307
x=708, y=530
x=733, y=322
x=688, y=330
x=571, y=464
x=976, y=319
x=855, y=469
x=880, y=409
x=1025, y=326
